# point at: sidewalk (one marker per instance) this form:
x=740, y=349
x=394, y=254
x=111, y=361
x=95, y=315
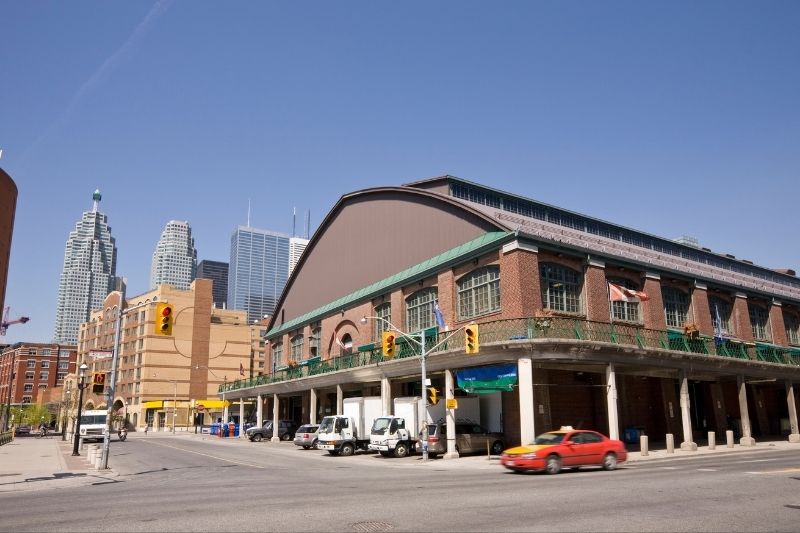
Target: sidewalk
x=28, y=463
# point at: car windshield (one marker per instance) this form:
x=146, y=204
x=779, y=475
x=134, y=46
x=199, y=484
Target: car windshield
x=327, y=425
x=549, y=438
x=93, y=419
x=380, y=425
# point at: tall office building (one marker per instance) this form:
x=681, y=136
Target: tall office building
x=296, y=247
x=175, y=257
x=216, y=271
x=90, y=265
x=259, y=268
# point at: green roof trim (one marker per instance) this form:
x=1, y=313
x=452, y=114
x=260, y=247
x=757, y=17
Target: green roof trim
x=458, y=254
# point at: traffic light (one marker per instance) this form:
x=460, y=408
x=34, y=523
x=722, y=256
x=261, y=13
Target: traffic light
x=433, y=395
x=388, y=344
x=471, y=338
x=163, y=319
x=98, y=383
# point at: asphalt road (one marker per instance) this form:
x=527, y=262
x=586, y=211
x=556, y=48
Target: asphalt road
x=186, y=484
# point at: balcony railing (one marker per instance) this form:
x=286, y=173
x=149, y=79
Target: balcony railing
x=564, y=328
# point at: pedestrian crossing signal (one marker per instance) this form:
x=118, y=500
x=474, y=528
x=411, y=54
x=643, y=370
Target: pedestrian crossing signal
x=98, y=383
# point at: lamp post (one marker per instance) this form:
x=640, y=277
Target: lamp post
x=65, y=416
x=81, y=385
x=419, y=339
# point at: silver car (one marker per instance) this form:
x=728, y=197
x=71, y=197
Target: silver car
x=306, y=436
x=470, y=438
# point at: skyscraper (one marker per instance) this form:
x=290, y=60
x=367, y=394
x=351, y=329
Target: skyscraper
x=216, y=271
x=296, y=247
x=175, y=257
x=259, y=268
x=90, y=265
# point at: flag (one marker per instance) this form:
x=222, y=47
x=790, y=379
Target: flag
x=718, y=338
x=339, y=341
x=241, y=369
x=618, y=293
x=438, y=313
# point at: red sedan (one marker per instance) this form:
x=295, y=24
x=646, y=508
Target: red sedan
x=565, y=448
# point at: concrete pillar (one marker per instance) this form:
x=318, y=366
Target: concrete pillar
x=712, y=440
x=747, y=438
x=260, y=411
x=688, y=440
x=339, y=400
x=241, y=418
x=611, y=400
x=670, y=443
x=275, y=419
x=729, y=438
x=644, y=445
x=450, y=417
x=386, y=396
x=794, y=436
x=525, y=378
x=313, y=407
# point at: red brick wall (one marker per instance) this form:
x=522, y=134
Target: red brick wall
x=653, y=308
x=596, y=292
x=741, y=319
x=701, y=312
x=519, y=284
x=777, y=326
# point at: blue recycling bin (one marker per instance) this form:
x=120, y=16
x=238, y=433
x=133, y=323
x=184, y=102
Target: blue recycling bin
x=631, y=434
x=214, y=430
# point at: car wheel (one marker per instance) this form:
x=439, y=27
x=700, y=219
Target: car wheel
x=347, y=450
x=315, y=444
x=609, y=461
x=497, y=447
x=286, y=436
x=401, y=450
x=553, y=465
x=256, y=437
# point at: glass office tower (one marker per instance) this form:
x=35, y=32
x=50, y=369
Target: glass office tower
x=90, y=265
x=175, y=257
x=259, y=268
x=217, y=272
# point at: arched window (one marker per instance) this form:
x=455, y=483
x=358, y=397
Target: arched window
x=277, y=354
x=676, y=307
x=315, y=342
x=625, y=310
x=297, y=348
x=759, y=321
x=479, y=292
x=383, y=311
x=720, y=315
x=419, y=310
x=561, y=288
x=792, y=323
x=347, y=341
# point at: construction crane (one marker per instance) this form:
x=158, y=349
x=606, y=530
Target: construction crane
x=6, y=322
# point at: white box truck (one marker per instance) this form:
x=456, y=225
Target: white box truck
x=345, y=433
x=93, y=424
x=399, y=435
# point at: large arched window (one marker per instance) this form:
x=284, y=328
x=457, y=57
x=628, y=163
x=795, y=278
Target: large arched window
x=676, y=307
x=720, y=315
x=621, y=309
x=792, y=323
x=277, y=354
x=419, y=310
x=383, y=311
x=479, y=293
x=315, y=342
x=759, y=321
x=561, y=288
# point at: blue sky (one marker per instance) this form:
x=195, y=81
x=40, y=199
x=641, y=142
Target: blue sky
x=674, y=118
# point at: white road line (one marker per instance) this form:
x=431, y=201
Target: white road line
x=207, y=455
x=669, y=468
x=706, y=469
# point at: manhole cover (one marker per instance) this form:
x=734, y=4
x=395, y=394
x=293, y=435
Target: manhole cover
x=372, y=526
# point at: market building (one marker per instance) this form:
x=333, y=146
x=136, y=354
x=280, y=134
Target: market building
x=582, y=322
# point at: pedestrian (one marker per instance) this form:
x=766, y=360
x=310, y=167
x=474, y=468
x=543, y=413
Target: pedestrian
x=146, y=427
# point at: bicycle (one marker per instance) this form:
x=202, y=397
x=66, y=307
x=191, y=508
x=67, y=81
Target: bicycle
x=42, y=433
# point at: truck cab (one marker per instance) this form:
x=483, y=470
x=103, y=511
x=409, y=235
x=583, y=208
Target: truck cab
x=93, y=424
x=389, y=436
x=339, y=436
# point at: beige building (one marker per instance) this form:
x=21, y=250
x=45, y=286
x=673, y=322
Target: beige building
x=156, y=373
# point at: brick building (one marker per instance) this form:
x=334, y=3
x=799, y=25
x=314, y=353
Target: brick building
x=36, y=367
x=603, y=326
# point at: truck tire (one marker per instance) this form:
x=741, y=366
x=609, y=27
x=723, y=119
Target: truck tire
x=401, y=450
x=347, y=449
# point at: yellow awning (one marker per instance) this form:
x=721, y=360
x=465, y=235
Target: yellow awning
x=153, y=405
x=212, y=404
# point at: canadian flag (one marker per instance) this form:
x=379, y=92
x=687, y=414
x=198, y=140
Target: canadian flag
x=618, y=293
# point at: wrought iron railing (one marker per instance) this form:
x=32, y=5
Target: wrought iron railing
x=521, y=329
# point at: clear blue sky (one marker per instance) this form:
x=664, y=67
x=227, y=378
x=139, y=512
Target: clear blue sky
x=669, y=117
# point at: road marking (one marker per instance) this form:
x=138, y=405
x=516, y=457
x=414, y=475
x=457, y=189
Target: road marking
x=706, y=469
x=206, y=455
x=783, y=471
x=669, y=467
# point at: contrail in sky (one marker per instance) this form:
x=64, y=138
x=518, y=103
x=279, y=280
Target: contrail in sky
x=106, y=69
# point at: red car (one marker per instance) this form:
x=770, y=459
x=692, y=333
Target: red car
x=565, y=448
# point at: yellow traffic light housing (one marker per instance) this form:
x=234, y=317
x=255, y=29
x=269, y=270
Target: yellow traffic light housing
x=164, y=319
x=388, y=344
x=433, y=395
x=98, y=383
x=471, y=341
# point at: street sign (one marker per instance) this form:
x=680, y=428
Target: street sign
x=201, y=407
x=99, y=354
x=452, y=403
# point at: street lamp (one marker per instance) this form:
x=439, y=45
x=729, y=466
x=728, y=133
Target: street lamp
x=82, y=385
x=65, y=416
x=419, y=339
